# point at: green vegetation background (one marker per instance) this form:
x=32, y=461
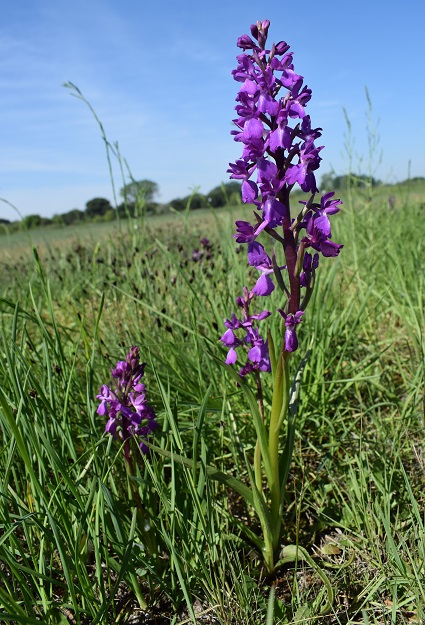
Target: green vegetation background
x=71, y=549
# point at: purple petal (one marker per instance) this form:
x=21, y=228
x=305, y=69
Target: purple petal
x=111, y=427
x=229, y=338
x=266, y=170
x=262, y=315
x=244, y=232
x=249, y=86
x=264, y=286
x=295, y=173
x=255, y=354
x=266, y=104
x=280, y=138
x=274, y=210
x=330, y=249
x=231, y=357
x=103, y=408
x=253, y=130
x=256, y=254
x=245, y=42
x=289, y=78
x=249, y=191
x=232, y=323
x=291, y=340
x=323, y=224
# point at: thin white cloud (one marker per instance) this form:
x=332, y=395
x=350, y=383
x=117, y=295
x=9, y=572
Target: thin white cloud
x=328, y=104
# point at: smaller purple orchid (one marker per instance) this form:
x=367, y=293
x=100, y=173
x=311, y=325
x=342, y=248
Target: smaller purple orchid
x=129, y=414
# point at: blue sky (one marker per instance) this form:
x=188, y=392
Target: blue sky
x=158, y=76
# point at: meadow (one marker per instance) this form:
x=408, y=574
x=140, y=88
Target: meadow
x=74, y=546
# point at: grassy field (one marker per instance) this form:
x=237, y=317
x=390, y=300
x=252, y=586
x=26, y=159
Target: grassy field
x=73, y=546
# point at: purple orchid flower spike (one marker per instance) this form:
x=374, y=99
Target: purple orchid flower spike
x=279, y=151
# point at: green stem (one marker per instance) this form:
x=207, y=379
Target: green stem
x=268, y=552
x=279, y=409
x=257, y=466
x=257, y=453
x=146, y=528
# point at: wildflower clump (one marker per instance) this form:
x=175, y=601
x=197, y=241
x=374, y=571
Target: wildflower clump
x=279, y=151
x=129, y=414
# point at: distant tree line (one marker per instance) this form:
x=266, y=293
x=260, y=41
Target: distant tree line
x=138, y=198
x=330, y=182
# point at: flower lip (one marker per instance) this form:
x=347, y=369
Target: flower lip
x=291, y=321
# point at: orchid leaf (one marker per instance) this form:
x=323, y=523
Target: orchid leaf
x=293, y=553
x=286, y=458
x=215, y=474
x=255, y=411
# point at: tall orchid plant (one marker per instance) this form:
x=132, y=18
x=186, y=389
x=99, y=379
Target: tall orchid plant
x=279, y=152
